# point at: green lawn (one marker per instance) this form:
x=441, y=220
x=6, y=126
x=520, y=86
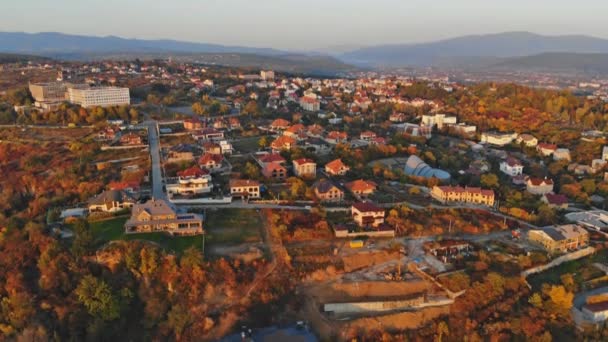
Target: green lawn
x=111, y=230
x=233, y=226
x=582, y=269
x=246, y=145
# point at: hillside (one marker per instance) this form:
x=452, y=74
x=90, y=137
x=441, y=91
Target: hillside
x=54, y=44
x=14, y=58
x=470, y=49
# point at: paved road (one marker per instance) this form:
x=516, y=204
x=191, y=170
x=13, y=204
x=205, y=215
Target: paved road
x=157, y=176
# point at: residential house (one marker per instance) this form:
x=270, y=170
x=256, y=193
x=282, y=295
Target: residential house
x=210, y=161
x=192, y=181
x=297, y=131
x=326, y=191
x=438, y=120
x=193, y=124
x=336, y=168
x=245, y=188
x=180, y=153
x=108, y=133
x=234, y=123
x=555, y=201
x=605, y=153
x=271, y=158
x=305, y=167
x=446, y=194
x=274, y=171
x=561, y=154
x=111, y=201
x=131, y=139
x=539, y=186
x=397, y=117
x=367, y=214
x=279, y=125
x=336, y=137
x=157, y=215
x=511, y=167
x=546, y=149
x=559, y=239
x=596, y=312
x=131, y=188
x=208, y=134
x=310, y=103
x=211, y=147
x=527, y=139
x=367, y=136
x=361, y=188
x=283, y=143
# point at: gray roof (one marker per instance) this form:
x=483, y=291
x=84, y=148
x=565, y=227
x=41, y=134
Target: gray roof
x=416, y=167
x=111, y=196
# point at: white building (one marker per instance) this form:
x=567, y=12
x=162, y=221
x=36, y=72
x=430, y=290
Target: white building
x=100, y=96
x=511, y=167
x=438, y=120
x=498, y=139
x=267, y=75
x=192, y=181
x=605, y=153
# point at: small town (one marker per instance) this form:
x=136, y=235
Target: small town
x=158, y=195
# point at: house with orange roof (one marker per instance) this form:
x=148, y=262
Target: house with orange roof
x=539, y=186
x=336, y=168
x=283, y=143
x=274, y=171
x=245, y=188
x=361, y=188
x=279, y=125
x=211, y=161
x=336, y=137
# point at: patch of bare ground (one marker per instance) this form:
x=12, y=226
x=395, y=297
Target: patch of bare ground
x=366, y=259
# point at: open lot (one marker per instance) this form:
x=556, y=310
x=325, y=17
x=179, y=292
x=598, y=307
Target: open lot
x=583, y=270
x=112, y=230
x=233, y=226
x=246, y=145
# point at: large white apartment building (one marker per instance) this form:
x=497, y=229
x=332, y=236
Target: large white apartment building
x=99, y=96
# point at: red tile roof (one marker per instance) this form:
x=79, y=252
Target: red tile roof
x=367, y=207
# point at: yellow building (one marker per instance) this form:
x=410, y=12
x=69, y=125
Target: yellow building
x=557, y=239
x=445, y=194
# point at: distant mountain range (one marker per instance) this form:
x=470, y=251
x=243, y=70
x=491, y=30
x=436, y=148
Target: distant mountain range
x=501, y=51
x=473, y=49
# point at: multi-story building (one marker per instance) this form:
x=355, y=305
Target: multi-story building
x=283, y=143
x=157, y=215
x=192, y=181
x=511, y=167
x=438, y=120
x=310, y=103
x=305, y=167
x=459, y=194
x=560, y=238
x=210, y=161
x=367, y=214
x=267, y=75
x=527, y=139
x=498, y=139
x=245, y=188
x=546, y=149
x=48, y=92
x=99, y=96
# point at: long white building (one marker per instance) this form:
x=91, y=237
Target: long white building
x=99, y=96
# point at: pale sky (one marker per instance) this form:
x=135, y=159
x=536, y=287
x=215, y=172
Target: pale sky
x=304, y=24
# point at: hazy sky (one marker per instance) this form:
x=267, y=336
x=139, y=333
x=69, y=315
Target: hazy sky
x=304, y=24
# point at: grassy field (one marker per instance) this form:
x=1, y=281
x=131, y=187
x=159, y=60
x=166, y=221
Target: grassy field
x=582, y=269
x=233, y=226
x=246, y=145
x=111, y=230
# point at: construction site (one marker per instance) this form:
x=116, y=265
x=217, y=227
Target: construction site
x=373, y=289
